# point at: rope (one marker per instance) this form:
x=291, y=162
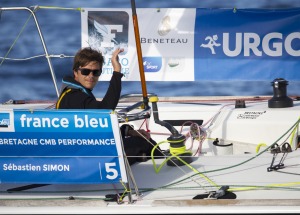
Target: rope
x=174, y=154
x=18, y=36
x=38, y=56
x=22, y=29
x=252, y=187
x=22, y=59
x=177, y=151
x=180, y=150
x=58, y=8
x=294, y=133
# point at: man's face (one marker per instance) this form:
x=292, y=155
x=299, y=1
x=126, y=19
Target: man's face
x=87, y=80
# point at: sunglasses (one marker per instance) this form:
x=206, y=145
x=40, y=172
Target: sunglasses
x=84, y=71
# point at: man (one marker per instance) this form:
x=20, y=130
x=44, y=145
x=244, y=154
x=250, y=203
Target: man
x=77, y=94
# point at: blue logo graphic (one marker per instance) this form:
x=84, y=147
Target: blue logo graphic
x=246, y=45
x=152, y=64
x=4, y=120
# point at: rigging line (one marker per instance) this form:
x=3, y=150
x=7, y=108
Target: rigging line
x=293, y=134
x=157, y=169
x=174, y=155
x=285, y=186
x=61, y=56
x=181, y=169
x=142, y=136
x=18, y=36
x=23, y=59
x=58, y=8
x=270, y=186
x=37, y=56
x=220, y=169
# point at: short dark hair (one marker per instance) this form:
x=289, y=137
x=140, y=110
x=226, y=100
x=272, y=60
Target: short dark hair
x=86, y=55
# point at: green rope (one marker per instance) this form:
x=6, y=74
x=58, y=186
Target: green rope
x=144, y=190
x=36, y=8
x=215, y=170
x=10, y=48
x=58, y=8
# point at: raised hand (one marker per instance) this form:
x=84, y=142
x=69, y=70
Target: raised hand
x=115, y=60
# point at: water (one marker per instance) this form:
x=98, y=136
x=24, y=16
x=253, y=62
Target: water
x=61, y=29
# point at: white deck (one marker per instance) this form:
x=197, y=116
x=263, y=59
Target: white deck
x=172, y=189
x=256, y=189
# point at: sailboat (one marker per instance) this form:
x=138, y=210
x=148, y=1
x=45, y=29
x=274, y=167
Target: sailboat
x=221, y=154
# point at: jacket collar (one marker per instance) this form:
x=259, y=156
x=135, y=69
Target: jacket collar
x=70, y=83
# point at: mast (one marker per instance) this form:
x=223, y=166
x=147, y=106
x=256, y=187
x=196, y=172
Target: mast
x=139, y=53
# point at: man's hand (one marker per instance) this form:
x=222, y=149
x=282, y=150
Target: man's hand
x=115, y=60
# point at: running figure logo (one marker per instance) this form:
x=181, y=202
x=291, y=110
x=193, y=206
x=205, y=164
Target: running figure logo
x=211, y=43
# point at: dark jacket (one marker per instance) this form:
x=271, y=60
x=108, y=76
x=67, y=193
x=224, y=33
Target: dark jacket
x=76, y=96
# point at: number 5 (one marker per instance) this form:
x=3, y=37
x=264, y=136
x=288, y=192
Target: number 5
x=112, y=173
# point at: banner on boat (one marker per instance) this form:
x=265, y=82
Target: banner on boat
x=57, y=146
x=198, y=44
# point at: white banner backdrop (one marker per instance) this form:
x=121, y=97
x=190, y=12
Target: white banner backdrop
x=198, y=44
x=167, y=41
